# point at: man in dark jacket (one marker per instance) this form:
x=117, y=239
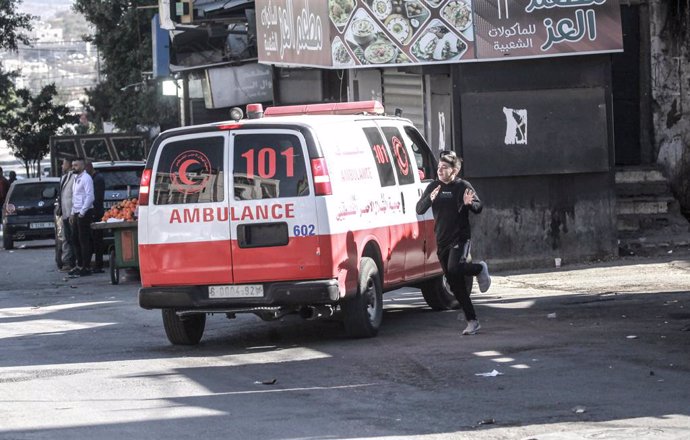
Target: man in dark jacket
x=98, y=211
x=451, y=199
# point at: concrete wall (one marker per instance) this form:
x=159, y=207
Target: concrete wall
x=528, y=221
x=670, y=71
x=549, y=193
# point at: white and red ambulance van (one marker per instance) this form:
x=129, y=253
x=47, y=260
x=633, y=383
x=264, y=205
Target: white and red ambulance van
x=305, y=210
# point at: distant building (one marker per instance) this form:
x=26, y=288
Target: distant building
x=45, y=33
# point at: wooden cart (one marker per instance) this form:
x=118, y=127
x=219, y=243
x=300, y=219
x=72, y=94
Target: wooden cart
x=124, y=252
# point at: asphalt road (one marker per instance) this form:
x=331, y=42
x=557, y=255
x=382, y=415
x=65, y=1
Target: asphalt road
x=593, y=351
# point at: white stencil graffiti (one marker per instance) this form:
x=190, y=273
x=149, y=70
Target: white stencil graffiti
x=441, y=131
x=516, y=126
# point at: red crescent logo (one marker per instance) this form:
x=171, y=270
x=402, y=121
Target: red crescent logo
x=401, y=155
x=183, y=171
x=187, y=182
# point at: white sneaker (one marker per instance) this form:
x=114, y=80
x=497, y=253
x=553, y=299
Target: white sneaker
x=483, y=279
x=472, y=327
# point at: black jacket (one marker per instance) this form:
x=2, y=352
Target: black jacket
x=450, y=213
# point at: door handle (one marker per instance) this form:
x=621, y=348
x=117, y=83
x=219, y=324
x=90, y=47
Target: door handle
x=402, y=198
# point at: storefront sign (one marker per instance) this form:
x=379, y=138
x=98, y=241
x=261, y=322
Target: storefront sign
x=365, y=33
x=535, y=28
x=237, y=85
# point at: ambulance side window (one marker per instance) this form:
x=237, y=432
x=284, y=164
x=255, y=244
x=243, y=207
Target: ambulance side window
x=381, y=156
x=426, y=164
x=268, y=165
x=190, y=171
x=404, y=167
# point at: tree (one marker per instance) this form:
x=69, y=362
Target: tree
x=12, y=23
x=123, y=38
x=29, y=124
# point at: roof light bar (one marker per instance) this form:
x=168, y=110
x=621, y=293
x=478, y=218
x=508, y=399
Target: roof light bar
x=338, y=108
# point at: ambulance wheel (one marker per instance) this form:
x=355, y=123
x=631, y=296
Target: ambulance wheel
x=438, y=296
x=183, y=331
x=7, y=242
x=113, y=269
x=362, y=314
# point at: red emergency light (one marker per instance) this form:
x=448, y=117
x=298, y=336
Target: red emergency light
x=337, y=108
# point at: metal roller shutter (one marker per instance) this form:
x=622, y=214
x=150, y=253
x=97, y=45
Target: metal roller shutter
x=404, y=91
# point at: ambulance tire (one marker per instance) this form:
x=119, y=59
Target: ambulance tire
x=438, y=295
x=362, y=314
x=183, y=331
x=7, y=242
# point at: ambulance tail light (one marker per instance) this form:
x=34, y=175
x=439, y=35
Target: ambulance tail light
x=322, y=181
x=145, y=187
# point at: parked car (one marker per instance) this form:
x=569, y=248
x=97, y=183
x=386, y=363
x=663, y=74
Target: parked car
x=28, y=210
x=122, y=180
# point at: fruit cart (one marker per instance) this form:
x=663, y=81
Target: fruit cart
x=124, y=252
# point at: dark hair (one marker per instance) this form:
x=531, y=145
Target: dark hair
x=449, y=157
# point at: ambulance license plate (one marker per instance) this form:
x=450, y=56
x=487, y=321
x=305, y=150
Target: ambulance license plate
x=243, y=291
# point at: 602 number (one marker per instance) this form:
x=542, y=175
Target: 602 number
x=303, y=230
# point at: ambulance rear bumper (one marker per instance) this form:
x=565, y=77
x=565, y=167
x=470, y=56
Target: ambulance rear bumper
x=291, y=293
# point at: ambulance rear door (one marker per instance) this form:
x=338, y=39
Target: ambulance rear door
x=184, y=238
x=273, y=217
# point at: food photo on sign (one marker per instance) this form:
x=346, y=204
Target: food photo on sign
x=369, y=43
x=384, y=32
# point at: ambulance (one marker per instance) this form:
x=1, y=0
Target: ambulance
x=305, y=209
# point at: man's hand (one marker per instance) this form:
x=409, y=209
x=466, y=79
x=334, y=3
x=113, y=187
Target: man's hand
x=468, y=197
x=73, y=219
x=434, y=193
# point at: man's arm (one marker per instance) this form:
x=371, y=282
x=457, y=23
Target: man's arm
x=475, y=205
x=424, y=202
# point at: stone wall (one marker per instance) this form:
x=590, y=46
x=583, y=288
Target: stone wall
x=670, y=76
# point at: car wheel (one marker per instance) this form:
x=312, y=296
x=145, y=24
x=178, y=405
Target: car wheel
x=113, y=269
x=363, y=314
x=183, y=331
x=7, y=242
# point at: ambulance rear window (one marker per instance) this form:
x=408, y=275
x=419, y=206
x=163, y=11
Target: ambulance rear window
x=268, y=166
x=190, y=171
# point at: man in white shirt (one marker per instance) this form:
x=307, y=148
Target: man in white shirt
x=80, y=220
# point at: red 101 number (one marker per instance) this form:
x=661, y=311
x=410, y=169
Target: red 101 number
x=380, y=153
x=266, y=162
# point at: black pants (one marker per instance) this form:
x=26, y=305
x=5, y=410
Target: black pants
x=455, y=267
x=97, y=241
x=81, y=239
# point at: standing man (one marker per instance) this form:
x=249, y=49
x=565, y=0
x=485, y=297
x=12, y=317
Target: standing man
x=63, y=211
x=80, y=220
x=451, y=199
x=4, y=188
x=98, y=211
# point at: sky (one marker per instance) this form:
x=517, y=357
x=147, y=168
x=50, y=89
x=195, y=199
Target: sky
x=44, y=8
